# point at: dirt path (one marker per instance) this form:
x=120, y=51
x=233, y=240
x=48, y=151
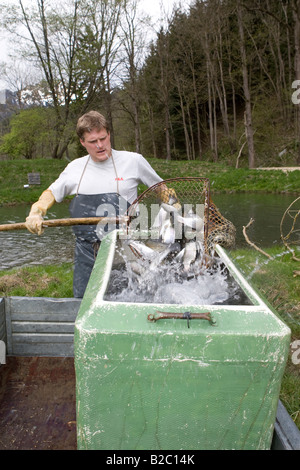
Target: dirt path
x=285, y=169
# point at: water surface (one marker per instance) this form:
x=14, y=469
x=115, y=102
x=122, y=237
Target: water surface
x=56, y=245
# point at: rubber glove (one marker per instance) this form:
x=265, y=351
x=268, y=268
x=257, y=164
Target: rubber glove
x=168, y=196
x=38, y=210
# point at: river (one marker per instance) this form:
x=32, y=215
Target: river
x=56, y=245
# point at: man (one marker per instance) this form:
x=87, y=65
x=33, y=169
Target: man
x=104, y=183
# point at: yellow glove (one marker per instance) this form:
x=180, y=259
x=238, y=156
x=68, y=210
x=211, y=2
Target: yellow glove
x=38, y=210
x=168, y=196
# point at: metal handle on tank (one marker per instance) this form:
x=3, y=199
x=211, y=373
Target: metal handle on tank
x=181, y=316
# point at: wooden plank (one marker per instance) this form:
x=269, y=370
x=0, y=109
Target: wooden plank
x=41, y=326
x=2, y=332
x=44, y=350
x=43, y=317
x=43, y=345
x=2, y=321
x=42, y=338
x=44, y=304
x=286, y=433
x=8, y=327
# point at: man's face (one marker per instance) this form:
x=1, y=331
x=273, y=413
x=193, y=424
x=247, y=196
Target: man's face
x=97, y=143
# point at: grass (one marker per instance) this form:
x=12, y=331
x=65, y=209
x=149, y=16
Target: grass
x=38, y=281
x=275, y=280
x=13, y=177
x=223, y=178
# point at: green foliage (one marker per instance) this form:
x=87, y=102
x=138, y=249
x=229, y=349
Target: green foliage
x=197, y=58
x=30, y=134
x=186, y=99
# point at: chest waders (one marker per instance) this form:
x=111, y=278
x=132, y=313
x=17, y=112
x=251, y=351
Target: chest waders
x=88, y=237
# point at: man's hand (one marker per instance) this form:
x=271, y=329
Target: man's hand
x=38, y=210
x=168, y=196
x=34, y=223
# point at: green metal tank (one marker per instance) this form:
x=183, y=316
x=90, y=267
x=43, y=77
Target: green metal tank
x=167, y=385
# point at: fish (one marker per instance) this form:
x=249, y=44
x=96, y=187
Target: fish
x=155, y=244
x=165, y=226
x=168, y=207
x=147, y=248
x=160, y=218
x=171, y=248
x=147, y=253
x=188, y=255
x=140, y=250
x=193, y=221
x=168, y=217
x=167, y=232
x=155, y=252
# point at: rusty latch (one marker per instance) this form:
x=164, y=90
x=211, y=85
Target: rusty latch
x=183, y=316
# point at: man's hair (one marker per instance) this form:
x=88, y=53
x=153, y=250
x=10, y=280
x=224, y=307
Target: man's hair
x=90, y=121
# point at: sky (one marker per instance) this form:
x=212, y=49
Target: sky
x=154, y=8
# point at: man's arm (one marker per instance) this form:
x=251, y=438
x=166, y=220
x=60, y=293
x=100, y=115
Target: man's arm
x=38, y=210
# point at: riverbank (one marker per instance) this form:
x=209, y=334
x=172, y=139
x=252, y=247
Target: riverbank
x=223, y=178
x=277, y=279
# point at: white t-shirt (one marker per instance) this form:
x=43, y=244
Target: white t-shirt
x=123, y=172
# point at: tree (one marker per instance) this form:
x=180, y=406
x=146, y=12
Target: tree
x=204, y=84
x=282, y=24
x=31, y=134
x=296, y=17
x=132, y=47
x=246, y=87
x=72, y=47
x=132, y=52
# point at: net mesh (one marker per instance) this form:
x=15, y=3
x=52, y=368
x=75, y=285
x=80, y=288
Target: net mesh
x=189, y=195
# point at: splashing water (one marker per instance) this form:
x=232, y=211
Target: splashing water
x=167, y=283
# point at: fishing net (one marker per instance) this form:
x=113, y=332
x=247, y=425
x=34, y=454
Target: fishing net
x=190, y=197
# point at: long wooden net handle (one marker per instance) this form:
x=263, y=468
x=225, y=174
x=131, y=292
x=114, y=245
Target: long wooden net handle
x=69, y=222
